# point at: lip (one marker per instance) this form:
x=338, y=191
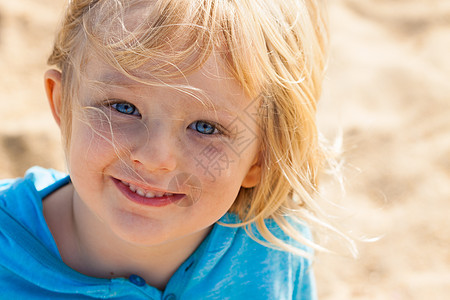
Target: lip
x=153, y=202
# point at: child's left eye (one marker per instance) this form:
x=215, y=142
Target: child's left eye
x=126, y=108
x=204, y=127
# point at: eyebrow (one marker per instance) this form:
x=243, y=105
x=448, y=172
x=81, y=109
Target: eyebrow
x=193, y=99
x=116, y=78
x=209, y=107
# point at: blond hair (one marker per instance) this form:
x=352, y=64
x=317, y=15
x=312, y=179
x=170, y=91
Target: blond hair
x=276, y=49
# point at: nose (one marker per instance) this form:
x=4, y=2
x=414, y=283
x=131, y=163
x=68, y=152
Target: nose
x=155, y=151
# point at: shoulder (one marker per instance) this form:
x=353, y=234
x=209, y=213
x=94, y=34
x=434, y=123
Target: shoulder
x=237, y=266
x=21, y=204
x=22, y=197
x=36, y=179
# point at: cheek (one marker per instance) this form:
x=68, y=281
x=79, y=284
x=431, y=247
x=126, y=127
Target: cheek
x=91, y=147
x=211, y=161
x=219, y=162
x=220, y=171
x=96, y=136
x=84, y=155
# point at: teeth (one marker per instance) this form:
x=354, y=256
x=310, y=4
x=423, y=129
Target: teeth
x=149, y=195
x=144, y=193
x=140, y=192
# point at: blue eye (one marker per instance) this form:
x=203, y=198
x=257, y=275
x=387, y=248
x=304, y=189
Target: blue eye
x=204, y=127
x=126, y=108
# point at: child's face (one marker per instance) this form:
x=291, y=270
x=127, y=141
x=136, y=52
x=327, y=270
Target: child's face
x=164, y=141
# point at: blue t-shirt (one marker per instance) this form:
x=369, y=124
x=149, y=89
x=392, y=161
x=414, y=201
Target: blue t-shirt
x=227, y=265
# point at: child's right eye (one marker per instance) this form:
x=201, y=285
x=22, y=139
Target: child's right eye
x=126, y=108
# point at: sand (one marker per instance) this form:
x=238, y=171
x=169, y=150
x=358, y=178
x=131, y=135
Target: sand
x=387, y=92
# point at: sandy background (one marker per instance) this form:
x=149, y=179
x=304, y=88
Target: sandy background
x=388, y=91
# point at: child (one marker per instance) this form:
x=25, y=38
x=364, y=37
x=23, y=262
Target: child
x=192, y=149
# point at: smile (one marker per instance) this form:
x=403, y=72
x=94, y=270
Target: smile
x=145, y=193
x=146, y=197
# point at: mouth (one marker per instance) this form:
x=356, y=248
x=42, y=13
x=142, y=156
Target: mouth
x=147, y=196
x=145, y=193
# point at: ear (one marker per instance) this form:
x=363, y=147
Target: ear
x=52, y=83
x=253, y=175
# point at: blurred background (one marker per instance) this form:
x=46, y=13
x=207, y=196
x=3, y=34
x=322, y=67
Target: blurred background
x=387, y=91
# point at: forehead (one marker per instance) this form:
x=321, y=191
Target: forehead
x=157, y=37
x=150, y=44
x=121, y=20
x=211, y=83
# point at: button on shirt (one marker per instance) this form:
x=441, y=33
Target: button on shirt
x=227, y=265
x=170, y=297
x=137, y=280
